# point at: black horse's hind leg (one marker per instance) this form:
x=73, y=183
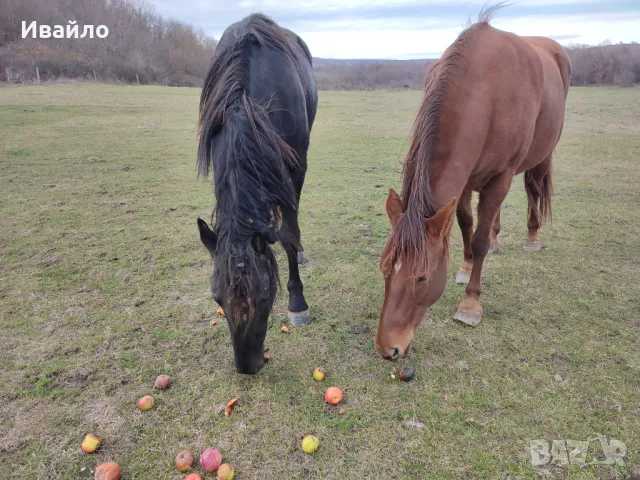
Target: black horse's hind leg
x=290, y=238
x=298, y=181
x=302, y=256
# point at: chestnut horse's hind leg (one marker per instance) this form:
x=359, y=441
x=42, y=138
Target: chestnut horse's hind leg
x=491, y=197
x=537, y=183
x=495, y=230
x=465, y=221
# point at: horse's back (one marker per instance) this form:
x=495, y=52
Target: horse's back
x=290, y=93
x=285, y=85
x=550, y=49
x=556, y=68
x=527, y=79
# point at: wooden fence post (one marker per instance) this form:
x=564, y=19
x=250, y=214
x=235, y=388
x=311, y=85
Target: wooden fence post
x=37, y=75
x=7, y=71
x=94, y=76
x=138, y=79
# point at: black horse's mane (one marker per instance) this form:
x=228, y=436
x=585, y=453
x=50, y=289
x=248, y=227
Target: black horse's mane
x=249, y=158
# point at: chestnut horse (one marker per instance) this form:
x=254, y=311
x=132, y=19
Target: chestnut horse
x=493, y=107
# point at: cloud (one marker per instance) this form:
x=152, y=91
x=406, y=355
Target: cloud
x=336, y=28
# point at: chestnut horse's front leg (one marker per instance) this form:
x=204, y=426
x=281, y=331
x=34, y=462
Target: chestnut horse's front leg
x=491, y=198
x=465, y=222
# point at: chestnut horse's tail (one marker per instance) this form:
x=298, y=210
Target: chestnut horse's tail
x=539, y=193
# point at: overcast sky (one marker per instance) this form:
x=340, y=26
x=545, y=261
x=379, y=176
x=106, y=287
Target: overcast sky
x=404, y=29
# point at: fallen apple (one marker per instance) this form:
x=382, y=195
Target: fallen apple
x=210, y=459
x=333, y=395
x=319, y=374
x=310, y=444
x=91, y=443
x=226, y=472
x=284, y=329
x=184, y=460
x=193, y=476
x=162, y=382
x=108, y=471
x=146, y=403
x=406, y=374
x=220, y=312
x=229, y=408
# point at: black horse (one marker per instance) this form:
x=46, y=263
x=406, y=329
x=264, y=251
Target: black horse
x=257, y=107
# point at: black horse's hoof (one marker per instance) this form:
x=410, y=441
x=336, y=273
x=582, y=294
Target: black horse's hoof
x=297, y=319
x=302, y=257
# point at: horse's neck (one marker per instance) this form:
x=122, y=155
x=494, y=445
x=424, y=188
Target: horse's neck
x=446, y=179
x=460, y=144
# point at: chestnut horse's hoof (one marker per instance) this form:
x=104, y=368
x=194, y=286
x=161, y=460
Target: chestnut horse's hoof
x=302, y=257
x=463, y=277
x=468, y=318
x=534, y=246
x=297, y=319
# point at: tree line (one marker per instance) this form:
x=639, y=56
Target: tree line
x=141, y=45
x=605, y=64
x=144, y=47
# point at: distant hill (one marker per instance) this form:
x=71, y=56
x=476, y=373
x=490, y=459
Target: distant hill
x=591, y=65
x=321, y=62
x=368, y=74
x=144, y=47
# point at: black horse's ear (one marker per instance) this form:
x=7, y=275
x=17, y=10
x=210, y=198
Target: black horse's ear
x=259, y=243
x=208, y=236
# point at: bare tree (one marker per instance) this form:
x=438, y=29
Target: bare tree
x=140, y=45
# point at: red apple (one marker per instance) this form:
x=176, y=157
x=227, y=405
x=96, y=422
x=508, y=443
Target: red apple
x=162, y=382
x=108, y=471
x=210, y=459
x=184, y=460
x=193, y=476
x=333, y=395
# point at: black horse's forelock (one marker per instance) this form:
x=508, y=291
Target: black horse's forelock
x=249, y=158
x=240, y=279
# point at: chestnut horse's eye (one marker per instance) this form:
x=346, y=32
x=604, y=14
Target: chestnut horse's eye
x=421, y=279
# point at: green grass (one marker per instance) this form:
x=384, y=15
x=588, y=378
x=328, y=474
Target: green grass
x=104, y=285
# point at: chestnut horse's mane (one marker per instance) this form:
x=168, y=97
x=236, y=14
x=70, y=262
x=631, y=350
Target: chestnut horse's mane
x=417, y=201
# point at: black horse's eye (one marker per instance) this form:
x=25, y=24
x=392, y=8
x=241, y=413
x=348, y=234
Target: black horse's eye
x=421, y=279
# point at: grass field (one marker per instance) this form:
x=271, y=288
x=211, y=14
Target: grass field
x=104, y=285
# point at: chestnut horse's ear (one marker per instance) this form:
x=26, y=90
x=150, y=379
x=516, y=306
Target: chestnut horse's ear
x=208, y=236
x=440, y=224
x=394, y=207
